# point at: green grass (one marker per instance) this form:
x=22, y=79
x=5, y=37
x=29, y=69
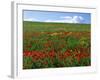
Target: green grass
x=53, y=27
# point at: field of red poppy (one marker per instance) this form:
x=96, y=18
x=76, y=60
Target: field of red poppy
x=53, y=45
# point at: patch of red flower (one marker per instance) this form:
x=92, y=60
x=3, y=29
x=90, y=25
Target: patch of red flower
x=36, y=55
x=51, y=54
x=81, y=55
x=67, y=53
x=27, y=53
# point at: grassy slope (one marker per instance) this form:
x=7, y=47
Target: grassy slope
x=53, y=27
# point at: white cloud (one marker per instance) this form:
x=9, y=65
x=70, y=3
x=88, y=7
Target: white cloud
x=81, y=18
x=77, y=19
x=68, y=19
x=31, y=19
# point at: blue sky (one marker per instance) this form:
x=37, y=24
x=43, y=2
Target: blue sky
x=64, y=17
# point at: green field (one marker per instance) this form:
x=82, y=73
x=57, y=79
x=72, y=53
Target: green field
x=53, y=27
x=52, y=45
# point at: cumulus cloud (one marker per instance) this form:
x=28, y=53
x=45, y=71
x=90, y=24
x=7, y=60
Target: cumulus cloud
x=68, y=19
x=77, y=19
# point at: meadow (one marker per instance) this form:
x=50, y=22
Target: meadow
x=53, y=45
